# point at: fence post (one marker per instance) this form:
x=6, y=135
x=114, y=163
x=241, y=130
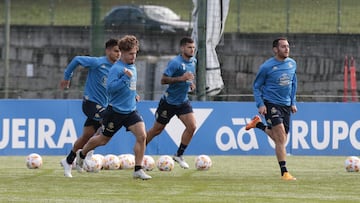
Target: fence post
x=353, y=80
x=345, y=79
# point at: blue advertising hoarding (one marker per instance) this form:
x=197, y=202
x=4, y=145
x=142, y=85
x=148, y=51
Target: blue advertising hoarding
x=50, y=127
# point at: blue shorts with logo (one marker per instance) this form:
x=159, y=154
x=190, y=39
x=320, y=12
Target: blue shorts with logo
x=166, y=111
x=277, y=114
x=94, y=113
x=113, y=121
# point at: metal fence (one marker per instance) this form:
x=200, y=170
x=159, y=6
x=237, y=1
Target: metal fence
x=247, y=16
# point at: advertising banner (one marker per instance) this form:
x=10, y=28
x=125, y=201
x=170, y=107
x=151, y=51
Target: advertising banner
x=50, y=127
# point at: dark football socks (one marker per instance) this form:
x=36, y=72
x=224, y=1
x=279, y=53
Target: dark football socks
x=282, y=165
x=261, y=126
x=71, y=157
x=181, y=149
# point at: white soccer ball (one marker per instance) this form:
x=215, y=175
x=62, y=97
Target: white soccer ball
x=93, y=164
x=127, y=161
x=101, y=157
x=165, y=163
x=111, y=161
x=148, y=163
x=352, y=164
x=34, y=161
x=203, y=162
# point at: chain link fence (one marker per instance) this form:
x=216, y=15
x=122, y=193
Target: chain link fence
x=245, y=16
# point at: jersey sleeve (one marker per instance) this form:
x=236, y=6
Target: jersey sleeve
x=258, y=84
x=170, y=68
x=85, y=61
x=293, y=91
x=117, y=79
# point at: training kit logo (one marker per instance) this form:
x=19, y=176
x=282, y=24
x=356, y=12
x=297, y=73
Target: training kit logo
x=175, y=127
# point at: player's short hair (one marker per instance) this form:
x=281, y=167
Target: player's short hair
x=276, y=41
x=186, y=40
x=128, y=42
x=111, y=43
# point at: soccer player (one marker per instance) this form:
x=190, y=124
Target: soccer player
x=121, y=111
x=95, y=98
x=275, y=96
x=179, y=75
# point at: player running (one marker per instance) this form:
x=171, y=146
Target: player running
x=95, y=98
x=179, y=75
x=275, y=96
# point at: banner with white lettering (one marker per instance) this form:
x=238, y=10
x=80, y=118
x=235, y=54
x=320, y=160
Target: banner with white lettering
x=50, y=127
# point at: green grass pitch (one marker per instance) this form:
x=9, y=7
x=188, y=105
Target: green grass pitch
x=231, y=179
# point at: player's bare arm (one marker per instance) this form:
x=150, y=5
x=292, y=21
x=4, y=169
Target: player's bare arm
x=170, y=80
x=65, y=84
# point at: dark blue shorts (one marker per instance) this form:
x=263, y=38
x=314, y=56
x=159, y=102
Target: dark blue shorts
x=113, y=121
x=277, y=114
x=166, y=111
x=94, y=113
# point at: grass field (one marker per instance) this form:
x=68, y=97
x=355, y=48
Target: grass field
x=231, y=179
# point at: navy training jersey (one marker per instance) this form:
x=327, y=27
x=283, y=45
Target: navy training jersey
x=276, y=82
x=121, y=88
x=177, y=93
x=95, y=85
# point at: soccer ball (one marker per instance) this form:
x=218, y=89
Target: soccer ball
x=112, y=162
x=34, y=161
x=203, y=162
x=165, y=163
x=148, y=163
x=127, y=161
x=102, y=159
x=352, y=164
x=93, y=164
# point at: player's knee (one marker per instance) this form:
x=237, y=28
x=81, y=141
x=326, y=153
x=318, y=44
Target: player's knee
x=141, y=137
x=191, y=128
x=103, y=140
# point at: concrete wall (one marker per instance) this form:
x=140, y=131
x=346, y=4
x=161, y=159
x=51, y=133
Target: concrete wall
x=49, y=49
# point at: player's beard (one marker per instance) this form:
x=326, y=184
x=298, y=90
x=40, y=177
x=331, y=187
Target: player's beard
x=188, y=55
x=283, y=56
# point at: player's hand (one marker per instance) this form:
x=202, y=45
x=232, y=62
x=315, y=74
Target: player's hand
x=293, y=109
x=137, y=98
x=262, y=110
x=192, y=86
x=188, y=76
x=128, y=72
x=65, y=84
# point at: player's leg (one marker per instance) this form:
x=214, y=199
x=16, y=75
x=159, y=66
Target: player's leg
x=154, y=131
x=92, y=123
x=137, y=126
x=187, y=117
x=190, y=126
x=163, y=114
x=88, y=132
x=280, y=118
x=112, y=122
x=280, y=141
x=87, y=151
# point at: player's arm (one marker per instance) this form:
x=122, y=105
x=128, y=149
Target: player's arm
x=257, y=86
x=118, y=79
x=85, y=61
x=188, y=76
x=293, y=95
